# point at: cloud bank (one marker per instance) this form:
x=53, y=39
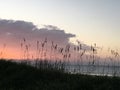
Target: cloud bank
x=16, y=30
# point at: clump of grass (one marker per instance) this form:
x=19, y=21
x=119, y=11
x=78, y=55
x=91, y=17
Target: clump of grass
x=68, y=56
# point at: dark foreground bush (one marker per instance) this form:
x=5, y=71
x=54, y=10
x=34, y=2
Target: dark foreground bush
x=14, y=76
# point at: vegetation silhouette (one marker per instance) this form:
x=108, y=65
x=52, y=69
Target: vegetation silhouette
x=22, y=76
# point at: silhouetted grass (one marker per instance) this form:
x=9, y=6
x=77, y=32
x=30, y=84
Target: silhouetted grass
x=20, y=76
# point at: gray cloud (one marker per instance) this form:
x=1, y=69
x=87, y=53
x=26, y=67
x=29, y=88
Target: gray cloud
x=16, y=30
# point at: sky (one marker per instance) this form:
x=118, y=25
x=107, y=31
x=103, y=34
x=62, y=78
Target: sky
x=90, y=21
